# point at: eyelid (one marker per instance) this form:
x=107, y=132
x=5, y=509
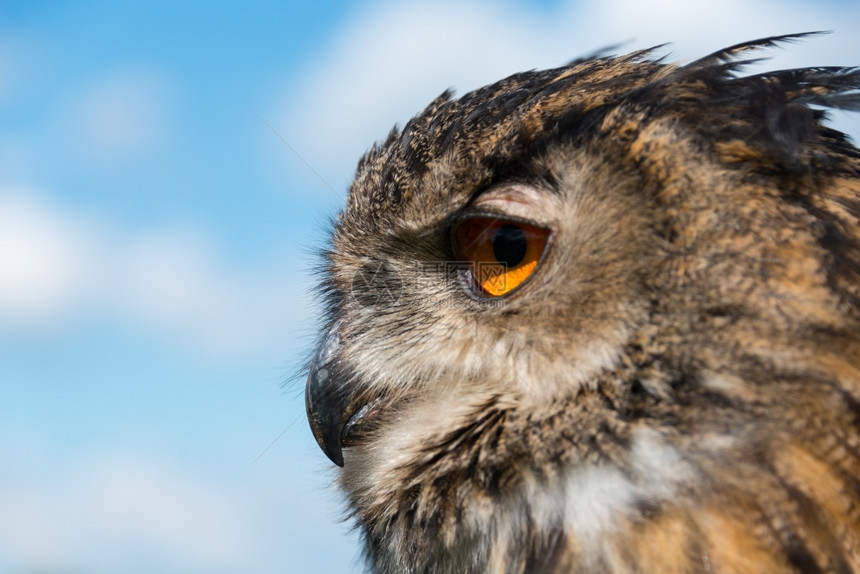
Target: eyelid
x=515, y=200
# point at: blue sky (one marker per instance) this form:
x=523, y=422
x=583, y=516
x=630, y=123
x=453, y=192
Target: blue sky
x=156, y=236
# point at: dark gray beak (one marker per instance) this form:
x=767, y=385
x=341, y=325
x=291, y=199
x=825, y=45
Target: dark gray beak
x=326, y=397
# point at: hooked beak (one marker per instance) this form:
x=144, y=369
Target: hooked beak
x=326, y=397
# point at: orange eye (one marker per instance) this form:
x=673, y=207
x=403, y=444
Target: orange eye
x=503, y=253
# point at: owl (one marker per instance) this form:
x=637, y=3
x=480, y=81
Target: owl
x=602, y=318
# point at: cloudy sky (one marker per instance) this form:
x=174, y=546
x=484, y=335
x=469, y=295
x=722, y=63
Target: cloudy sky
x=166, y=171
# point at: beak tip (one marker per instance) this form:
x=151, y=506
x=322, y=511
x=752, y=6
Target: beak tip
x=336, y=456
x=330, y=444
x=327, y=435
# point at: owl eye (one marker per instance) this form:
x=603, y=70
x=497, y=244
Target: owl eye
x=502, y=253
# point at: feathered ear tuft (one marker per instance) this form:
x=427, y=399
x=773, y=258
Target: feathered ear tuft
x=830, y=87
x=732, y=52
x=609, y=51
x=777, y=115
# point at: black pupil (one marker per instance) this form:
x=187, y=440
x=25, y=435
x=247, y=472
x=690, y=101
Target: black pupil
x=509, y=245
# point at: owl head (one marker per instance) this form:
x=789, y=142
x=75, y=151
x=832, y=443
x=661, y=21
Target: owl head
x=585, y=309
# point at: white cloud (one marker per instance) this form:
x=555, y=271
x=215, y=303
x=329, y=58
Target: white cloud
x=119, y=510
x=121, y=117
x=391, y=60
x=172, y=279
x=132, y=511
x=46, y=259
x=58, y=266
